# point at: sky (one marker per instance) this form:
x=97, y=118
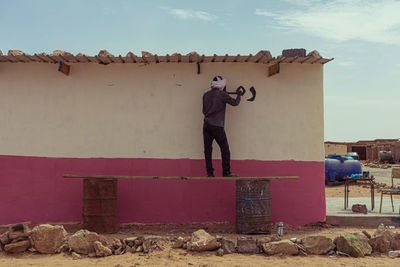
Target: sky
x=361, y=88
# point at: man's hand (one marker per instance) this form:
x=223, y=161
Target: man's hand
x=239, y=91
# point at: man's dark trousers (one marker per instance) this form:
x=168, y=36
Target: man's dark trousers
x=211, y=132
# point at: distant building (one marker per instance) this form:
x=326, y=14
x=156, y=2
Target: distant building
x=366, y=149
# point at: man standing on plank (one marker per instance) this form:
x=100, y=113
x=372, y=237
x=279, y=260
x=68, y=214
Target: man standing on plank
x=214, y=105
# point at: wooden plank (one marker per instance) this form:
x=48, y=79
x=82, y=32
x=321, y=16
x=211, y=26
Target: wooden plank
x=326, y=60
x=267, y=178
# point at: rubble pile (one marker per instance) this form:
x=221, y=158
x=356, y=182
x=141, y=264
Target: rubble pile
x=16, y=239
x=49, y=239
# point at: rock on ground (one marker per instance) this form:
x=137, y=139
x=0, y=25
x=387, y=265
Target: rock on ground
x=83, y=241
x=101, y=251
x=48, y=239
x=384, y=240
x=228, y=246
x=318, y=245
x=284, y=247
x=202, y=241
x=358, y=208
x=17, y=247
x=355, y=245
x=247, y=245
x=4, y=239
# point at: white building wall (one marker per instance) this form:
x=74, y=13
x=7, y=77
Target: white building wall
x=154, y=111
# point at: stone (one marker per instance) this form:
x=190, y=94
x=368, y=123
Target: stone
x=247, y=245
x=283, y=247
x=24, y=227
x=82, y=241
x=130, y=249
x=17, y=247
x=146, y=54
x=117, y=251
x=358, y=208
x=17, y=236
x=228, y=246
x=60, y=53
x=267, y=239
x=101, y=251
x=178, y=242
x=381, y=228
x=297, y=52
x=15, y=52
x=138, y=242
x=264, y=53
x=130, y=241
x=146, y=246
x=193, y=53
x=355, y=245
x=48, y=239
x=75, y=256
x=220, y=252
x=314, y=53
x=384, y=241
x=318, y=245
x=4, y=239
x=396, y=242
x=202, y=241
x=149, y=237
x=104, y=53
x=139, y=249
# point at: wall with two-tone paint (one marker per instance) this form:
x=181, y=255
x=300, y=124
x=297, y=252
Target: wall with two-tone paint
x=137, y=119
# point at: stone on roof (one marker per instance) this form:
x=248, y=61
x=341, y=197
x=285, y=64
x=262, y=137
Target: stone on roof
x=104, y=53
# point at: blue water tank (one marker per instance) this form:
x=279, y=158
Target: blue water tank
x=337, y=167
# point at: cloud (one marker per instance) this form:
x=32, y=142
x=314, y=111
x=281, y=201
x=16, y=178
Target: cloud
x=342, y=20
x=191, y=14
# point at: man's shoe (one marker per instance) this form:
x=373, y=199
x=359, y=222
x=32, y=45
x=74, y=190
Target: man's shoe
x=210, y=175
x=229, y=174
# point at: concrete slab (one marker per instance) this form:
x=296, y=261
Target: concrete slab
x=337, y=215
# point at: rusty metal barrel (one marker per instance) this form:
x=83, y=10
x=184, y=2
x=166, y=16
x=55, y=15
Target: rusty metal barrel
x=253, y=207
x=100, y=205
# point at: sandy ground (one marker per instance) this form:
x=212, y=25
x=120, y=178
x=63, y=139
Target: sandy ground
x=179, y=257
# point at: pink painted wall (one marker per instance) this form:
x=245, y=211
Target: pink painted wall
x=32, y=189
